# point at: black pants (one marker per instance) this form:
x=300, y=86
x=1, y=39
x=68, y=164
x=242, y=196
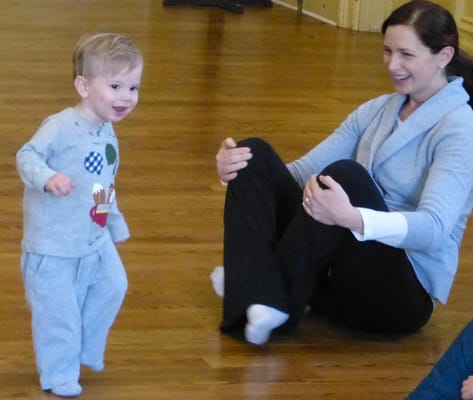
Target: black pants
x=277, y=255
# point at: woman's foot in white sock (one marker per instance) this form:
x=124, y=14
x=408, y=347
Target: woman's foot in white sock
x=261, y=322
x=217, y=278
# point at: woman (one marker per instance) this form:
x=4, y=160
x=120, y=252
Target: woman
x=366, y=227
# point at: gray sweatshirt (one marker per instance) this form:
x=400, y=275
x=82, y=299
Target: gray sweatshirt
x=77, y=224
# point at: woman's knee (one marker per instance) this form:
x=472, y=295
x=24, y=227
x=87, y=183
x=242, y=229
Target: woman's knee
x=264, y=156
x=357, y=183
x=344, y=168
x=255, y=143
x=260, y=148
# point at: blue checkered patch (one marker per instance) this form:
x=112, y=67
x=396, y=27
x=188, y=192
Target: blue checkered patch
x=94, y=162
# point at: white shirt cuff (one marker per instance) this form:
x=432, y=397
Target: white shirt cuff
x=386, y=227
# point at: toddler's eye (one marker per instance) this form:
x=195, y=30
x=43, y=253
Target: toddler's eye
x=114, y=86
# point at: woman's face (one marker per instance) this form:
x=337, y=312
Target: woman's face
x=415, y=70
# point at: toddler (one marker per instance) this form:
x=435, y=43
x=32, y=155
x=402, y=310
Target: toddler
x=74, y=279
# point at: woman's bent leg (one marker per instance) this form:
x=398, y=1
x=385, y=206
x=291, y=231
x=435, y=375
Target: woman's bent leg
x=373, y=287
x=305, y=250
x=259, y=204
x=367, y=284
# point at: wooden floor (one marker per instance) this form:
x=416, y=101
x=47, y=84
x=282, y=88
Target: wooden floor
x=208, y=74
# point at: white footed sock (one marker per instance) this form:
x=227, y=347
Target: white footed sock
x=217, y=278
x=261, y=322
x=70, y=389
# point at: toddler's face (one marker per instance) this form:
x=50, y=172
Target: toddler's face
x=110, y=97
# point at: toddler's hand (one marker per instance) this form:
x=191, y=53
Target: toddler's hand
x=60, y=185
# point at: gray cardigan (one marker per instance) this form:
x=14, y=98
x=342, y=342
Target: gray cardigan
x=423, y=168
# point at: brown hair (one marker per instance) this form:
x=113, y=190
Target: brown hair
x=436, y=28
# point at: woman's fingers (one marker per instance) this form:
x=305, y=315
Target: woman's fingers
x=230, y=159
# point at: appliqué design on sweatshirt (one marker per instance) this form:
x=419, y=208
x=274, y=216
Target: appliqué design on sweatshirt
x=94, y=162
x=111, y=156
x=103, y=201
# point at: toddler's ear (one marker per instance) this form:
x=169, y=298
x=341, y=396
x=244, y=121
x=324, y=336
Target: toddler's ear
x=81, y=86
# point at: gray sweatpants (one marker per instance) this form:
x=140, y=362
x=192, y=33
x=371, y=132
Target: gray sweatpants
x=74, y=302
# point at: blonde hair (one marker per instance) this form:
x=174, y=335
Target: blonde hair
x=104, y=53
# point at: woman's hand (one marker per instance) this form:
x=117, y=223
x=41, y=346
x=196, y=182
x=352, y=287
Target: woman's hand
x=467, y=389
x=330, y=206
x=230, y=159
